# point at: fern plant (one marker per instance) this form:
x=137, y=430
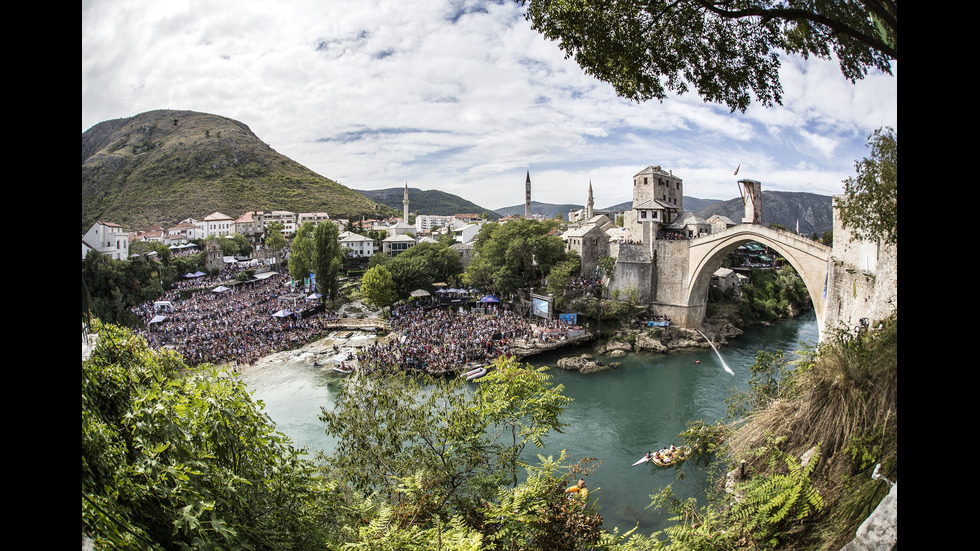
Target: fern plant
x=771, y=503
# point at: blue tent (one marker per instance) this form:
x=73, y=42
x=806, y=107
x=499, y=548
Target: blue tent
x=489, y=298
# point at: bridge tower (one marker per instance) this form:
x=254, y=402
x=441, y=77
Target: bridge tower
x=751, y=191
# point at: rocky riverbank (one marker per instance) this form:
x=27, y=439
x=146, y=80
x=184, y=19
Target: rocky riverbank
x=650, y=339
x=665, y=339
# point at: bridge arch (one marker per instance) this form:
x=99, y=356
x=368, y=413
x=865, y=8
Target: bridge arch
x=809, y=258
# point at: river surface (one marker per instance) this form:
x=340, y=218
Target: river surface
x=615, y=416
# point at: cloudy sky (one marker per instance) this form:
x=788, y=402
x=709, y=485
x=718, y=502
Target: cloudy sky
x=460, y=96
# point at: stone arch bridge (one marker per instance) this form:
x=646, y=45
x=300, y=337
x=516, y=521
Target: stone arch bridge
x=682, y=269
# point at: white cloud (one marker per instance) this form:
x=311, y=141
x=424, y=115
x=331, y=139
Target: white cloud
x=458, y=95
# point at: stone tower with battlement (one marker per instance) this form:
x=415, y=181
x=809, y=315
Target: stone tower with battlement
x=658, y=198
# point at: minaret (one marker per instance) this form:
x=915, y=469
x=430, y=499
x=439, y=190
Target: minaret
x=527, y=196
x=589, y=209
x=405, y=205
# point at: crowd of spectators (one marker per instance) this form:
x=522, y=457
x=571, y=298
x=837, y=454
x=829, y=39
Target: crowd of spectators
x=237, y=325
x=588, y=286
x=672, y=235
x=443, y=340
x=240, y=322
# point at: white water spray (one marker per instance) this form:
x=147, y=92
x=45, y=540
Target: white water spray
x=723, y=364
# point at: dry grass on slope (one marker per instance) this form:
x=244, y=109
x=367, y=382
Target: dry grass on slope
x=846, y=400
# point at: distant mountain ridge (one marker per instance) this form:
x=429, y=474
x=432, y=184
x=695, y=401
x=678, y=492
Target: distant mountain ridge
x=812, y=212
x=548, y=210
x=163, y=166
x=430, y=202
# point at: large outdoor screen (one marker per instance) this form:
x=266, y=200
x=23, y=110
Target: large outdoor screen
x=539, y=307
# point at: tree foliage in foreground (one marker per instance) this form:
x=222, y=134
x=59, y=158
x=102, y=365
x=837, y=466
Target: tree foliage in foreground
x=727, y=51
x=870, y=208
x=176, y=459
x=463, y=442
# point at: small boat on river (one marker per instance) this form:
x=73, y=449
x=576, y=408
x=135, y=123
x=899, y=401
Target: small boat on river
x=670, y=456
x=643, y=460
x=341, y=368
x=475, y=373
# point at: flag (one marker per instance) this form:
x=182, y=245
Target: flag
x=738, y=167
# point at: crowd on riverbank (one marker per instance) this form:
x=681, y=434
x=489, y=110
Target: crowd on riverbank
x=241, y=323
x=439, y=341
x=237, y=325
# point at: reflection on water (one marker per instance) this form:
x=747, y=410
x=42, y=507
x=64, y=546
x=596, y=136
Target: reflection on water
x=615, y=416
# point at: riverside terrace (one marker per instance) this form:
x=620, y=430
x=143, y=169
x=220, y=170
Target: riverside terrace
x=243, y=323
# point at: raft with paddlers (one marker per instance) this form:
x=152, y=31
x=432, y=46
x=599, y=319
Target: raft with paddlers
x=670, y=456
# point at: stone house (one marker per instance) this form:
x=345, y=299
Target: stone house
x=218, y=224
x=395, y=244
x=182, y=233
x=358, y=246
x=107, y=238
x=725, y=278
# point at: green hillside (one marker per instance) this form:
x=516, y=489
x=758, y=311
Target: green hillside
x=163, y=166
x=432, y=202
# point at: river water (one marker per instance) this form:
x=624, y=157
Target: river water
x=615, y=416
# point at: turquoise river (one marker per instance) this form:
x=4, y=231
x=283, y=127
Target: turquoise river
x=615, y=416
